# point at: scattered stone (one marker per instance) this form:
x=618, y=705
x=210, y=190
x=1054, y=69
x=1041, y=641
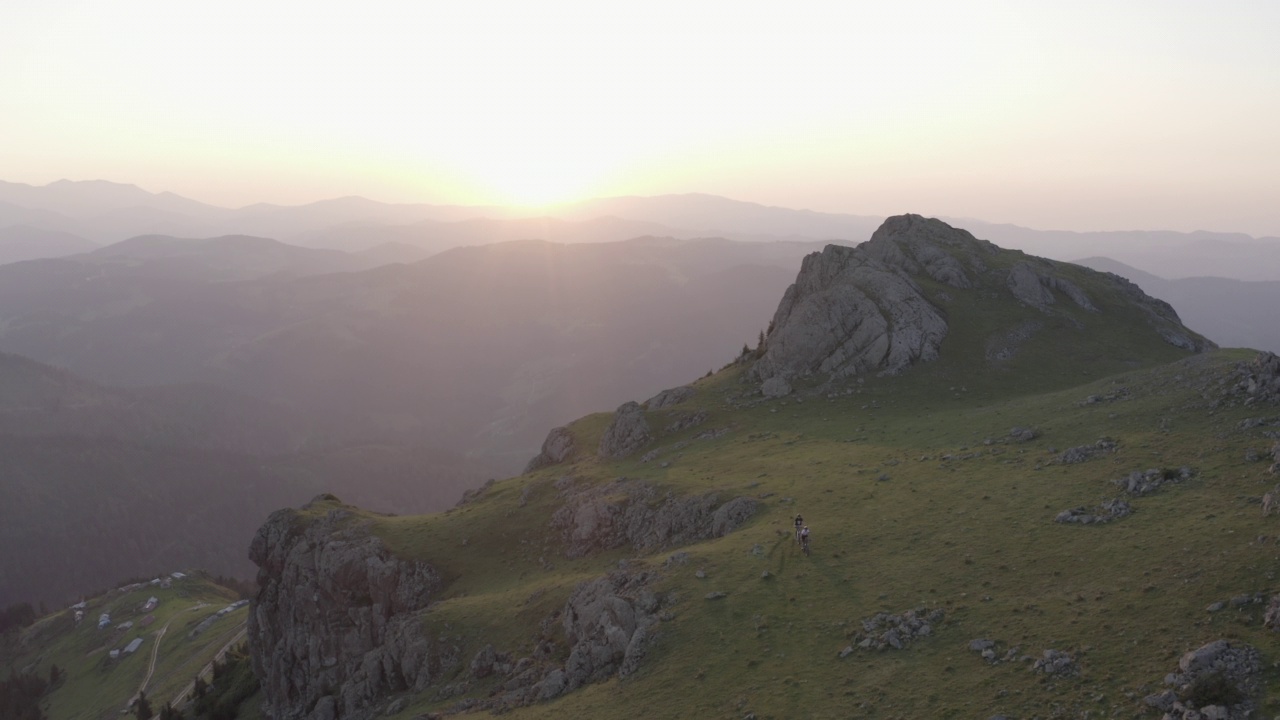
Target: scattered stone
x=1084, y=453
x=847, y=651
x=1215, y=607
x=1148, y=481
x=883, y=630
x=1020, y=434
x=1108, y=511
x=1056, y=662
x=700, y=574
x=715, y=595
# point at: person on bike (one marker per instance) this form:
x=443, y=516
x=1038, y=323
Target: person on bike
x=799, y=524
x=804, y=538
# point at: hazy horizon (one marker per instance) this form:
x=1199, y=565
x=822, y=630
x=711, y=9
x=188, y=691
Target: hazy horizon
x=1094, y=117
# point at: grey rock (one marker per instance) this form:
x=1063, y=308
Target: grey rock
x=1026, y=285
x=628, y=512
x=607, y=624
x=981, y=644
x=856, y=310
x=846, y=652
x=557, y=448
x=776, y=386
x=672, y=396
x=715, y=595
x=336, y=617
x=628, y=432
x=482, y=664
x=1055, y=662
x=552, y=686
x=1162, y=701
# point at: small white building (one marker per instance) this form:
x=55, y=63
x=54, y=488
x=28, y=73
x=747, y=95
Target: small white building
x=132, y=647
x=151, y=604
x=114, y=654
x=104, y=620
x=178, y=576
x=125, y=625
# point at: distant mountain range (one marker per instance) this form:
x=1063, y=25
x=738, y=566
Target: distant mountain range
x=101, y=212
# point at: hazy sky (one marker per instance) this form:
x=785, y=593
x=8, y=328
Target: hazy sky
x=1078, y=115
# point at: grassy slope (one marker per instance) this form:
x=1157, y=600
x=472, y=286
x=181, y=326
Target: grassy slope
x=973, y=536
x=97, y=687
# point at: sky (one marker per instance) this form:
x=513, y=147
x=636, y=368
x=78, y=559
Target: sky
x=1083, y=115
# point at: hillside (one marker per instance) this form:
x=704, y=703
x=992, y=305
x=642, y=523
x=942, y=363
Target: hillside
x=1040, y=523
x=1234, y=313
x=480, y=348
x=192, y=622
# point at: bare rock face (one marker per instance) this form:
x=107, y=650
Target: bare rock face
x=628, y=432
x=334, y=628
x=927, y=246
x=608, y=624
x=557, y=448
x=848, y=314
x=1035, y=285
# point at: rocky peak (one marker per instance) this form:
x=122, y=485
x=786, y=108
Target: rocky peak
x=928, y=246
x=853, y=311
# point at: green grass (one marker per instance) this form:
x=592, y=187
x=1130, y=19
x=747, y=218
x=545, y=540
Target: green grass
x=96, y=686
x=973, y=536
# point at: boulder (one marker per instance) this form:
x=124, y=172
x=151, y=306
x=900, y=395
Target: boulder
x=627, y=432
x=775, y=387
x=557, y=448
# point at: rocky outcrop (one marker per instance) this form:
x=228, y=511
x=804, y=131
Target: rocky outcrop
x=669, y=397
x=627, y=432
x=877, y=308
x=631, y=513
x=884, y=631
x=1107, y=511
x=847, y=314
x=858, y=310
x=1259, y=381
x=334, y=629
x=1218, y=680
x=557, y=448
x=1035, y=285
x=609, y=623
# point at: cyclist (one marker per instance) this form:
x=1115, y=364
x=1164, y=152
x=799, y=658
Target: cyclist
x=804, y=539
x=799, y=524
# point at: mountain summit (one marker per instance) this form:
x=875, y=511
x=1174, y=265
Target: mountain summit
x=893, y=301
